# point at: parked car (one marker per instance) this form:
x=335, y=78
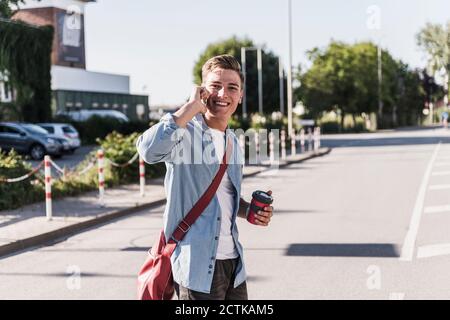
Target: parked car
x=64, y=130
x=31, y=139
x=83, y=115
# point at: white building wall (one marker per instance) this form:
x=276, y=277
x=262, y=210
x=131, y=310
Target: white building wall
x=65, y=78
x=61, y=4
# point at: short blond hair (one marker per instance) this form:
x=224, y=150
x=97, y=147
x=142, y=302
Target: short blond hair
x=224, y=61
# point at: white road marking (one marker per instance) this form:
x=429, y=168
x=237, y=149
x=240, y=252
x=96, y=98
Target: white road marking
x=410, y=239
x=442, y=164
x=437, y=209
x=433, y=250
x=440, y=187
x=441, y=173
x=396, y=296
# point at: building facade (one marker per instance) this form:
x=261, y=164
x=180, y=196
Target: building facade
x=74, y=87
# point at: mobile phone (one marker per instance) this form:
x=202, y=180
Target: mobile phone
x=204, y=101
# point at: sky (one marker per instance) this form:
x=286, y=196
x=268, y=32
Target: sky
x=157, y=42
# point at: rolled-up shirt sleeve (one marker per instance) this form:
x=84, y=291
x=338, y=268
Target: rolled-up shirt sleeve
x=159, y=142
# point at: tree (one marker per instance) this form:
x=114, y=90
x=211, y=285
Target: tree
x=25, y=57
x=5, y=7
x=434, y=39
x=344, y=77
x=233, y=46
x=341, y=77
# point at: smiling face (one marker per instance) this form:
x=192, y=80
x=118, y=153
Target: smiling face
x=226, y=91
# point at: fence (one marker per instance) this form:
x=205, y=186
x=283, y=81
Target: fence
x=313, y=145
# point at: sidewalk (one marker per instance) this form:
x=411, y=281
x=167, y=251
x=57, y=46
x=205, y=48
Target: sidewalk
x=28, y=227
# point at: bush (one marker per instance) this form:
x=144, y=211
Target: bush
x=238, y=122
x=330, y=127
x=119, y=148
x=15, y=194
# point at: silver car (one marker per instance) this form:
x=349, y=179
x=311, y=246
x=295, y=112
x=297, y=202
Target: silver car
x=64, y=130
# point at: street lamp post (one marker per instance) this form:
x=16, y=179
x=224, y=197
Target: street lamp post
x=260, y=88
x=380, y=81
x=281, y=76
x=289, y=70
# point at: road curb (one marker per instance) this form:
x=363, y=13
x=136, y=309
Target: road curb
x=65, y=232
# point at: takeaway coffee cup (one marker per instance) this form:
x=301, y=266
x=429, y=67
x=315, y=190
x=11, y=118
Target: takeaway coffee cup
x=260, y=200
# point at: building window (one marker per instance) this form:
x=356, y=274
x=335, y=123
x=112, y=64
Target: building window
x=94, y=105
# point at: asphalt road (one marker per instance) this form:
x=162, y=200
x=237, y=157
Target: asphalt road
x=371, y=220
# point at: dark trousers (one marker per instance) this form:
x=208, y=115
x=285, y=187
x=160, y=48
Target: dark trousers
x=222, y=285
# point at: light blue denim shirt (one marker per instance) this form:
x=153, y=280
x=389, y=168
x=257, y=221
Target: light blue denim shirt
x=191, y=165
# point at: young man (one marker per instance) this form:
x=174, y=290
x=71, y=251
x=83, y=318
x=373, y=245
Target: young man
x=208, y=263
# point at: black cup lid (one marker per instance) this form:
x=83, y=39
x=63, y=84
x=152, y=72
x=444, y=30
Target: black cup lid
x=262, y=196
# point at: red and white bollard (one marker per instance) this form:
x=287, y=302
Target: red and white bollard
x=257, y=147
x=302, y=140
x=318, y=136
x=271, y=147
x=142, y=175
x=310, y=139
x=283, y=144
x=293, y=144
x=48, y=188
x=101, y=176
x=242, y=145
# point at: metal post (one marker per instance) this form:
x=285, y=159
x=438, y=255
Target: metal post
x=283, y=144
x=244, y=72
x=48, y=188
x=289, y=75
x=260, y=87
x=380, y=79
x=281, y=76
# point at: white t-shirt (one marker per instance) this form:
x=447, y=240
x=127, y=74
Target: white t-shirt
x=225, y=195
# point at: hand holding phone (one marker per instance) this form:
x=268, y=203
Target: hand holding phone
x=199, y=99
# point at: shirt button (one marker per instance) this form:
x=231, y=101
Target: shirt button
x=209, y=272
x=217, y=238
x=210, y=266
x=212, y=258
x=218, y=219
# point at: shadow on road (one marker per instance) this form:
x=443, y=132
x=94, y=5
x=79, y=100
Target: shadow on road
x=343, y=250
